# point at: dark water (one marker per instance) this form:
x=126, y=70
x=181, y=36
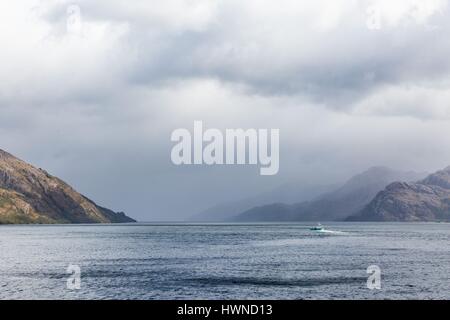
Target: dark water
x=265, y=261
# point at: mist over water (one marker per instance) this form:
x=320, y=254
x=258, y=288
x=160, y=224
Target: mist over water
x=225, y=261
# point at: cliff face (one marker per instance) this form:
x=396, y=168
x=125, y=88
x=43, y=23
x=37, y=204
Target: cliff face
x=425, y=200
x=31, y=195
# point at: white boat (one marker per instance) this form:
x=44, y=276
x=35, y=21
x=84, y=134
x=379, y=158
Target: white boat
x=319, y=227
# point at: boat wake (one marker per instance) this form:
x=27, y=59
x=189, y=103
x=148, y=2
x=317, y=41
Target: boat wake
x=325, y=231
x=321, y=229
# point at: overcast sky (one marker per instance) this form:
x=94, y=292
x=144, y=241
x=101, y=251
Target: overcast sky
x=350, y=84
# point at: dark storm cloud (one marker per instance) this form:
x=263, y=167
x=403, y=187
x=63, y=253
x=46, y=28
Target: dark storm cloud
x=335, y=62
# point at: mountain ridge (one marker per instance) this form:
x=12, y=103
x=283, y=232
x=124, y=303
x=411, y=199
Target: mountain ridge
x=288, y=193
x=32, y=195
x=339, y=204
x=425, y=200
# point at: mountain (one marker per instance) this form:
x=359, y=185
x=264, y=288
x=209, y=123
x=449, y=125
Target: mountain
x=286, y=193
x=31, y=195
x=337, y=205
x=425, y=200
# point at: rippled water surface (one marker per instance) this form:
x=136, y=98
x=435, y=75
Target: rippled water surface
x=225, y=261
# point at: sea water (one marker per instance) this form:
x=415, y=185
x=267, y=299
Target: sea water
x=225, y=261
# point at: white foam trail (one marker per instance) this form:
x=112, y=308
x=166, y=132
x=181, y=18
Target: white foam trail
x=330, y=231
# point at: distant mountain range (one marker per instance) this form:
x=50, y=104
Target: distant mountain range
x=425, y=200
x=339, y=204
x=291, y=192
x=31, y=195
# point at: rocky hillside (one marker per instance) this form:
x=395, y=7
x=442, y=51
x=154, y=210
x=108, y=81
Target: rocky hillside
x=346, y=200
x=425, y=200
x=31, y=195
